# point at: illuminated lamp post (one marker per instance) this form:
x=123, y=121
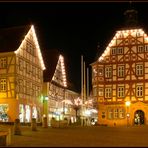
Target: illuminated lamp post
x=127, y=103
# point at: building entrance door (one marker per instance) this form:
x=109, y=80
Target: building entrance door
x=139, y=117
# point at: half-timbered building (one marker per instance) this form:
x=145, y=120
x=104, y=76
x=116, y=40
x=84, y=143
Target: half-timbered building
x=60, y=97
x=120, y=78
x=21, y=74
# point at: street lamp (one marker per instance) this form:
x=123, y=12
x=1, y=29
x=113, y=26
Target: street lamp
x=127, y=103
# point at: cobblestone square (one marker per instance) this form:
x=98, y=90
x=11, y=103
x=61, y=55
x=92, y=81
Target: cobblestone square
x=96, y=136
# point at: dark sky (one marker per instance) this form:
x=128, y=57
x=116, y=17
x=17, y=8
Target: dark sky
x=74, y=28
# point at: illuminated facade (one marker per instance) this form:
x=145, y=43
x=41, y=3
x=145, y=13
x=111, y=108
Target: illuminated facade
x=120, y=79
x=60, y=98
x=21, y=74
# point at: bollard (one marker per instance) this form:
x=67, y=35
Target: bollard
x=17, y=130
x=44, y=122
x=33, y=124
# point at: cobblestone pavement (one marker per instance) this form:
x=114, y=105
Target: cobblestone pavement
x=82, y=137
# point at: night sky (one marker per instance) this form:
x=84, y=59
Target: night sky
x=74, y=28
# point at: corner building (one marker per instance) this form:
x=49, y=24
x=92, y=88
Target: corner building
x=120, y=79
x=21, y=74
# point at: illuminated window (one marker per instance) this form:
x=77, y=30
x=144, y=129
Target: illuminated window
x=140, y=49
x=139, y=70
x=3, y=63
x=113, y=51
x=33, y=70
x=121, y=113
x=95, y=91
x=120, y=50
x=33, y=90
x=27, y=68
x=21, y=86
x=30, y=48
x=116, y=112
x=94, y=72
x=139, y=91
x=121, y=35
x=110, y=113
x=146, y=48
x=103, y=114
x=28, y=88
x=24, y=88
x=2, y=84
x=108, y=92
x=101, y=92
x=21, y=64
x=121, y=71
x=120, y=91
x=138, y=34
x=100, y=71
x=108, y=72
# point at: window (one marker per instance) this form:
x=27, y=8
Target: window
x=30, y=47
x=33, y=90
x=138, y=34
x=146, y=48
x=100, y=71
x=120, y=91
x=3, y=84
x=100, y=91
x=110, y=113
x=120, y=71
x=33, y=70
x=116, y=113
x=21, y=64
x=121, y=113
x=3, y=63
x=107, y=92
x=95, y=91
x=121, y=35
x=140, y=49
x=21, y=86
x=139, y=91
x=139, y=70
x=27, y=68
x=120, y=50
x=113, y=51
x=108, y=72
x=27, y=89
x=103, y=114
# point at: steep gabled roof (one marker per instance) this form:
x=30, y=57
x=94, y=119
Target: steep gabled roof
x=54, y=63
x=124, y=34
x=11, y=38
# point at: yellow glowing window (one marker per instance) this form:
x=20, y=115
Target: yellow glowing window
x=139, y=69
x=101, y=93
x=121, y=71
x=140, y=49
x=121, y=113
x=146, y=48
x=110, y=113
x=139, y=91
x=2, y=84
x=3, y=62
x=108, y=72
x=108, y=92
x=116, y=112
x=120, y=91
